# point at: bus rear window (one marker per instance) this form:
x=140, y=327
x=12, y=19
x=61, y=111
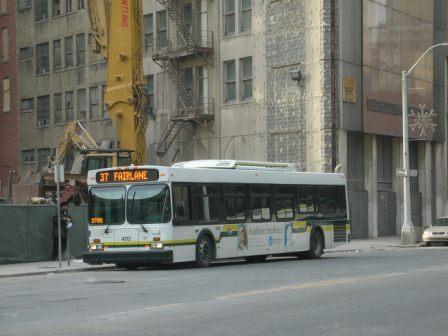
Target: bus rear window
x=106, y=205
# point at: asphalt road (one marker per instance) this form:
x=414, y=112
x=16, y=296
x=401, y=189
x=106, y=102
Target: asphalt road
x=401, y=292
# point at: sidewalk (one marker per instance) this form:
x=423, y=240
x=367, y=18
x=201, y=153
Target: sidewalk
x=379, y=244
x=47, y=267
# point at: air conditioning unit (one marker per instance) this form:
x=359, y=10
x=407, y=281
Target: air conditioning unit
x=41, y=123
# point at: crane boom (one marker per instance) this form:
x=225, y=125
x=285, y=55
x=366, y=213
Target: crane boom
x=117, y=30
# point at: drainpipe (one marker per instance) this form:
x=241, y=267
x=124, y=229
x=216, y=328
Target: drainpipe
x=334, y=142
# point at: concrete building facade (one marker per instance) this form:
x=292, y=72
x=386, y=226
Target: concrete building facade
x=60, y=79
x=9, y=126
x=316, y=83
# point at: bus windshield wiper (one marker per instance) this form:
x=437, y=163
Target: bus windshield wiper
x=143, y=228
x=107, y=228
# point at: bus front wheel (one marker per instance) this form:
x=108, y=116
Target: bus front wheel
x=316, y=245
x=204, y=252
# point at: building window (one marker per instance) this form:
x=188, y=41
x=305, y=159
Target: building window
x=57, y=108
x=3, y=7
x=94, y=112
x=24, y=4
x=81, y=4
x=81, y=102
x=43, y=156
x=68, y=44
x=200, y=79
x=6, y=95
x=162, y=33
x=188, y=17
x=246, y=78
x=57, y=55
x=5, y=45
x=149, y=32
x=150, y=92
x=80, y=49
x=68, y=6
x=28, y=155
x=229, y=17
x=199, y=20
x=27, y=105
x=187, y=95
x=42, y=59
x=69, y=112
x=56, y=7
x=41, y=10
x=245, y=15
x=25, y=53
x=43, y=111
x=104, y=107
x=229, y=81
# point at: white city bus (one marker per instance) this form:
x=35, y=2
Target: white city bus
x=200, y=211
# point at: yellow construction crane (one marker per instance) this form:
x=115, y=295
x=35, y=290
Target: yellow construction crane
x=117, y=32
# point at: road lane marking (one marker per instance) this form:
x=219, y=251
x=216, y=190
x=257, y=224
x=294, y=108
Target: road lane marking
x=325, y=283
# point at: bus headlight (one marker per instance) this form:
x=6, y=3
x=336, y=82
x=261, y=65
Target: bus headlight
x=96, y=247
x=156, y=245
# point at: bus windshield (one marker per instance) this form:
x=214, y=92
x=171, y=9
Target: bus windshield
x=149, y=204
x=106, y=205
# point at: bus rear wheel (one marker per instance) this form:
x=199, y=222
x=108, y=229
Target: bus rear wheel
x=316, y=245
x=204, y=252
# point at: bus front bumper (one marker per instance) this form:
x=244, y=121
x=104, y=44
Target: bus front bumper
x=97, y=258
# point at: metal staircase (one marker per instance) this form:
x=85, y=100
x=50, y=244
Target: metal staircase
x=189, y=107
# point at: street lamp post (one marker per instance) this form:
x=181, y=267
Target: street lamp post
x=407, y=230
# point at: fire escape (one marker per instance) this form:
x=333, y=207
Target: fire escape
x=191, y=106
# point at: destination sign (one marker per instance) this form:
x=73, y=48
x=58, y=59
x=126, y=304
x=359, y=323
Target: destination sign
x=127, y=175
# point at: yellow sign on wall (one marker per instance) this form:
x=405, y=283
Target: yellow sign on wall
x=349, y=90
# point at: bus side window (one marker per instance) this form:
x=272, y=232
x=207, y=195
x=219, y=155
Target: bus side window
x=208, y=203
x=182, y=203
x=260, y=203
x=284, y=202
x=341, y=204
x=235, y=203
x=306, y=200
x=326, y=200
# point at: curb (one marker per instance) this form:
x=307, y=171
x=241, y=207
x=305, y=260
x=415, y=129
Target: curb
x=380, y=248
x=56, y=271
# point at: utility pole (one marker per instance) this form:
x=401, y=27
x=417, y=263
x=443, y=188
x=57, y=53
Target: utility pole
x=58, y=202
x=407, y=230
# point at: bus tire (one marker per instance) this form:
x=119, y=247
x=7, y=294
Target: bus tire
x=204, y=251
x=256, y=259
x=316, y=245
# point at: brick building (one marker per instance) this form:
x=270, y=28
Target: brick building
x=9, y=138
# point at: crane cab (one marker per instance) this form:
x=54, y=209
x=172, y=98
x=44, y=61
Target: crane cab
x=99, y=159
